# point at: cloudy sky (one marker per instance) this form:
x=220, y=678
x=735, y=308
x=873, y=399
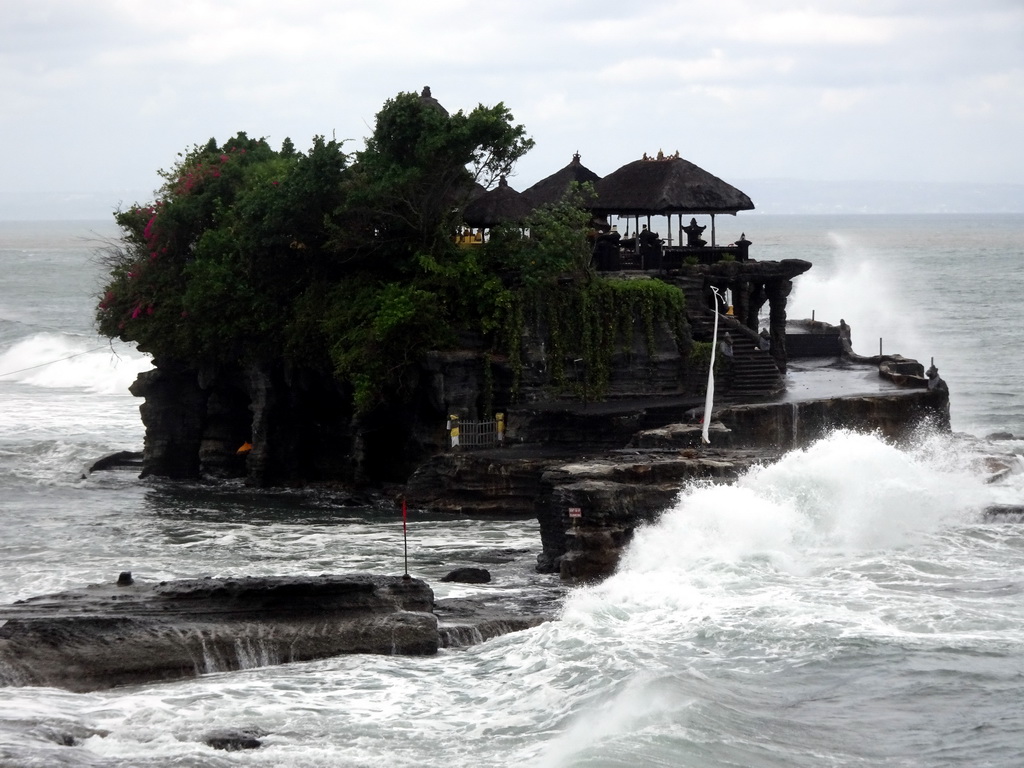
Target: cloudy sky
x=97, y=95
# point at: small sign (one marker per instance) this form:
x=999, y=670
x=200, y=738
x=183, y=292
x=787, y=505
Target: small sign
x=575, y=511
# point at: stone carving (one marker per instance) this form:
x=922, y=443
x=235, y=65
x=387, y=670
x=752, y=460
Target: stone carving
x=693, y=234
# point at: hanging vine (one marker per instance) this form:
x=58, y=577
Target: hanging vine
x=586, y=322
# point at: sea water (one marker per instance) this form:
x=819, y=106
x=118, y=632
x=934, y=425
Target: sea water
x=849, y=605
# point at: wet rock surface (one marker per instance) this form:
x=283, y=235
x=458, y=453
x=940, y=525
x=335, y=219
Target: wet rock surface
x=108, y=635
x=125, y=633
x=468, y=575
x=463, y=622
x=616, y=489
x=234, y=740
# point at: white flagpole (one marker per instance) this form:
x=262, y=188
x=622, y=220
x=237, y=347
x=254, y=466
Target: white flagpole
x=709, y=398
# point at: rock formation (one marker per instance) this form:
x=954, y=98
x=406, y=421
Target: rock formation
x=131, y=631
x=622, y=459
x=275, y=423
x=109, y=635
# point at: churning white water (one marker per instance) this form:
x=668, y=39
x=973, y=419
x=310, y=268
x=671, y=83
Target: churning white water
x=849, y=605
x=60, y=361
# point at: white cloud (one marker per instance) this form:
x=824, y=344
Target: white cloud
x=842, y=99
x=716, y=67
x=761, y=87
x=811, y=27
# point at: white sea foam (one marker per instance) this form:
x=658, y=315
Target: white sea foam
x=848, y=492
x=56, y=360
x=847, y=545
x=859, y=283
x=781, y=542
x=771, y=624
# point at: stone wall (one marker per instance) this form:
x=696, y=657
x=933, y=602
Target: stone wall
x=783, y=426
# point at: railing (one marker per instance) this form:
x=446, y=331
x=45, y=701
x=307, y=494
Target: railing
x=609, y=257
x=676, y=257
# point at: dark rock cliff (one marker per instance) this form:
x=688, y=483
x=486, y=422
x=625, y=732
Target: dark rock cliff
x=107, y=635
x=275, y=423
x=298, y=425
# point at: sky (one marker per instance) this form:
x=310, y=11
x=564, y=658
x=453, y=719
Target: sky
x=98, y=95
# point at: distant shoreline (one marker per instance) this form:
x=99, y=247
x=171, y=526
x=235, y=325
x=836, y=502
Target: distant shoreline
x=108, y=220
x=771, y=196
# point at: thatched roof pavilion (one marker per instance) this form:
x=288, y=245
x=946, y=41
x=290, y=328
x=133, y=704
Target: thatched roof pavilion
x=501, y=205
x=553, y=188
x=664, y=185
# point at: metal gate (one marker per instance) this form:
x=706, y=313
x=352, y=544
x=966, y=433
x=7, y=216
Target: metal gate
x=476, y=434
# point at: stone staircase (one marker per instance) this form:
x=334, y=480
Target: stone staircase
x=752, y=372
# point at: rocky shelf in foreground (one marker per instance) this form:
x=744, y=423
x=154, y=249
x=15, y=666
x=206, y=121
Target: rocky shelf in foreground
x=130, y=632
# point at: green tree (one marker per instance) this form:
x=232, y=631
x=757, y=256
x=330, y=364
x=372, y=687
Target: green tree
x=417, y=171
x=553, y=242
x=210, y=270
x=254, y=254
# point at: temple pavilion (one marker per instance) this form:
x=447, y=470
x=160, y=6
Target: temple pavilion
x=716, y=278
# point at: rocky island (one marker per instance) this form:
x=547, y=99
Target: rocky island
x=381, y=321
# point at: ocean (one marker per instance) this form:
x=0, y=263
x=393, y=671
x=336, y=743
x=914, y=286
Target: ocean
x=850, y=605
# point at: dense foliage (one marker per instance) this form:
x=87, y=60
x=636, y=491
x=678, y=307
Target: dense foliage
x=215, y=268
x=347, y=261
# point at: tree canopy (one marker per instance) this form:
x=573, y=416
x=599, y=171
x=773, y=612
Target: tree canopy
x=329, y=258
x=343, y=261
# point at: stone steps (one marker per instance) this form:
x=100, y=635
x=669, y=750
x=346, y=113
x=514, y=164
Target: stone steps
x=753, y=370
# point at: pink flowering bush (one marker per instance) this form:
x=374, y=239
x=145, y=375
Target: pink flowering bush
x=161, y=292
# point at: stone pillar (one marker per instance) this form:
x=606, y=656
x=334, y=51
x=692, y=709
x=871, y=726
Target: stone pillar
x=228, y=423
x=741, y=303
x=778, y=294
x=263, y=397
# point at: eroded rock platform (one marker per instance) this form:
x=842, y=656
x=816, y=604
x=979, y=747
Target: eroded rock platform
x=107, y=635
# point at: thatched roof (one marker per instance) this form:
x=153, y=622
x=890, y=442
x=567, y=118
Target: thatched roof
x=473, y=191
x=428, y=100
x=551, y=189
x=665, y=185
x=500, y=205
